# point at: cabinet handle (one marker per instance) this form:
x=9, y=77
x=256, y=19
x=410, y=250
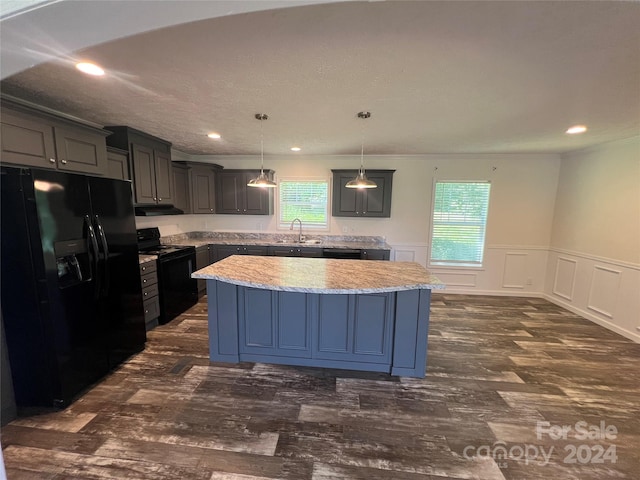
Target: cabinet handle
x=155, y=199
x=144, y=268
x=63, y=161
x=144, y=281
x=211, y=209
x=146, y=293
x=159, y=199
x=52, y=160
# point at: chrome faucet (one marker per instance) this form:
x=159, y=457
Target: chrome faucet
x=291, y=228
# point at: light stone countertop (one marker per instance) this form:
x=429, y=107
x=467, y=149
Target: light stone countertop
x=142, y=258
x=198, y=239
x=320, y=275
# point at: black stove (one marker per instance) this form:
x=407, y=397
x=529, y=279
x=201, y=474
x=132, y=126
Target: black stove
x=177, y=291
x=149, y=244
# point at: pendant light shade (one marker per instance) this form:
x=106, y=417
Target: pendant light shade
x=361, y=180
x=261, y=180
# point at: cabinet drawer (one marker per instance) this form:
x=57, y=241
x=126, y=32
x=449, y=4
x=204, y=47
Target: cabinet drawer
x=149, y=279
x=150, y=291
x=148, y=267
x=151, y=308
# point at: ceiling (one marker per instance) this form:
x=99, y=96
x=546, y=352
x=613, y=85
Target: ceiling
x=437, y=77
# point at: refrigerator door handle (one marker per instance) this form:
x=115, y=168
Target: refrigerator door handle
x=93, y=252
x=105, y=252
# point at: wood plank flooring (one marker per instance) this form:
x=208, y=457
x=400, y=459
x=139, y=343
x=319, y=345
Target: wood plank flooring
x=504, y=375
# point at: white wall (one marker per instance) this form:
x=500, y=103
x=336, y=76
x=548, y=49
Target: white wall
x=594, y=257
x=519, y=224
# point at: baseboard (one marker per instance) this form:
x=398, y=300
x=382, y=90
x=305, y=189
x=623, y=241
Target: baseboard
x=589, y=316
x=496, y=293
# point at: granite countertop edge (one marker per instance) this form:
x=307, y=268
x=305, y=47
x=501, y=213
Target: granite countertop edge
x=339, y=291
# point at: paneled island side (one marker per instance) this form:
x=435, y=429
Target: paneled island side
x=349, y=314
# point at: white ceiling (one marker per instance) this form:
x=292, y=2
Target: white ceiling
x=438, y=77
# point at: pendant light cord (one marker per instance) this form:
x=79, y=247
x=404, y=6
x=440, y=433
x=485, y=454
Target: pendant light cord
x=261, y=148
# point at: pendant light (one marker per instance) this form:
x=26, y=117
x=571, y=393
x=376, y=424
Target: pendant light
x=361, y=180
x=261, y=180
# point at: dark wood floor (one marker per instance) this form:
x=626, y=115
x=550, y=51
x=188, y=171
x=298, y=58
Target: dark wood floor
x=497, y=369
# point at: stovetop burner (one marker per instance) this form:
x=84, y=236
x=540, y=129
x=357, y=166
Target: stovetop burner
x=149, y=244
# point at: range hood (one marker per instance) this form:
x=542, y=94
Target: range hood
x=153, y=210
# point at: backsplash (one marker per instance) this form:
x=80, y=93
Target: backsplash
x=271, y=237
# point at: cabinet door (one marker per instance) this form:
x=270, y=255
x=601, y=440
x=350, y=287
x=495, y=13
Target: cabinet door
x=228, y=199
x=310, y=252
x=81, y=151
x=224, y=251
x=117, y=164
x=256, y=321
x=256, y=200
x=202, y=260
x=374, y=254
x=376, y=202
x=143, y=174
x=354, y=327
x=27, y=141
x=256, y=250
x=181, y=189
x=203, y=188
x=163, y=178
x=282, y=252
x=369, y=202
x=346, y=201
x=274, y=323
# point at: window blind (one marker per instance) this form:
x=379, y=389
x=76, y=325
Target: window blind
x=459, y=222
x=306, y=200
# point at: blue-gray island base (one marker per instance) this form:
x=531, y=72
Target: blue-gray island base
x=349, y=314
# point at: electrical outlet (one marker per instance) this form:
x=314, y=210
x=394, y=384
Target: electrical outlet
x=345, y=229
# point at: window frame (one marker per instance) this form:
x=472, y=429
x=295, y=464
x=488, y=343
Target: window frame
x=451, y=264
x=306, y=226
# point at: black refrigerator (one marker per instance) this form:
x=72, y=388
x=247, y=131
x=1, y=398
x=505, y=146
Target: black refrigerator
x=70, y=284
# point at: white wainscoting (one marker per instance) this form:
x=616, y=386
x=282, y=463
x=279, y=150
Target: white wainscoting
x=605, y=291
x=507, y=270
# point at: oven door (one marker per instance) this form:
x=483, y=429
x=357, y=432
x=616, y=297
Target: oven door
x=177, y=290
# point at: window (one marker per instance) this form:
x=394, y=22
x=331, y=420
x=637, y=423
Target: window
x=459, y=222
x=306, y=200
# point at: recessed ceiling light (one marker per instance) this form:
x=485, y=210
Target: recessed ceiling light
x=295, y=149
x=90, y=69
x=576, y=129
x=213, y=135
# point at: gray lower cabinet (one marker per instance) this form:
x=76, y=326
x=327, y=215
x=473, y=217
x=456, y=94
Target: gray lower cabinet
x=383, y=332
x=224, y=251
x=150, y=298
x=354, y=328
x=346, y=327
x=274, y=323
x=36, y=139
x=309, y=252
x=203, y=259
x=375, y=254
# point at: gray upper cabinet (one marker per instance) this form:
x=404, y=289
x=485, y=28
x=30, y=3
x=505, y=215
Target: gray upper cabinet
x=195, y=186
x=368, y=202
x=151, y=161
x=181, y=187
x=203, y=183
x=118, y=164
x=234, y=197
x=37, y=139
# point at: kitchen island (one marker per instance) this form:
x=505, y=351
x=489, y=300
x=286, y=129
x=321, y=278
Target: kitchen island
x=350, y=314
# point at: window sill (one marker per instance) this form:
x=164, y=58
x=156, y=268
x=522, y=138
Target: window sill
x=456, y=266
